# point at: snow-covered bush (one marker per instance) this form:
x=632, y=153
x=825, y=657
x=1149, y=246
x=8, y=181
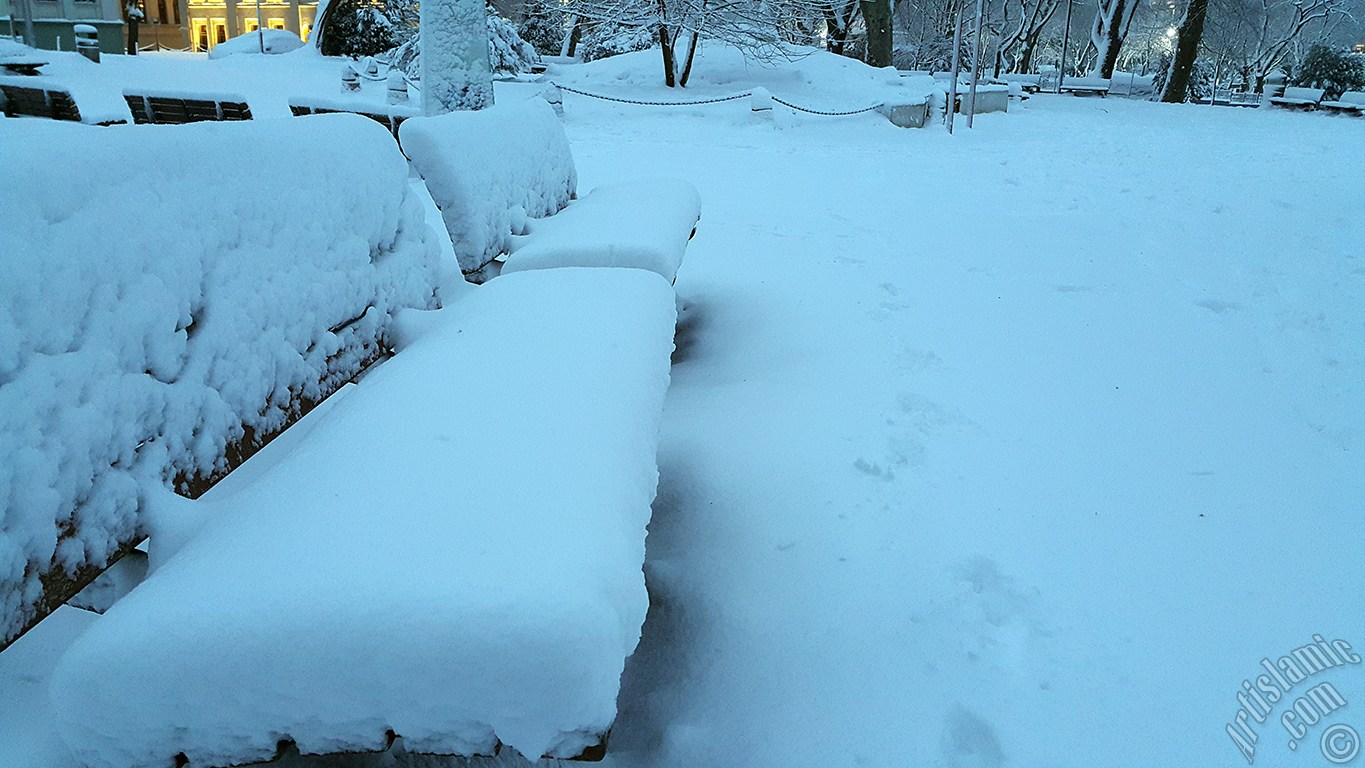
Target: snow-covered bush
x=543, y=27
x=1333, y=71
x=605, y=39
x=489, y=170
x=357, y=28
x=507, y=52
x=197, y=296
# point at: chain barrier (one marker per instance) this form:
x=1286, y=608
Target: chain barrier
x=826, y=114
x=733, y=97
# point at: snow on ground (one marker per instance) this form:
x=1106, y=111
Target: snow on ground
x=1018, y=447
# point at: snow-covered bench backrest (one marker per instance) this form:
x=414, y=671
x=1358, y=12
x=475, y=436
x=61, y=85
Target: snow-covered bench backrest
x=1086, y=84
x=226, y=275
x=1353, y=97
x=489, y=170
x=1304, y=94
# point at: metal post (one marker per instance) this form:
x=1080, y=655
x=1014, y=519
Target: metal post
x=30, y=39
x=976, y=67
x=260, y=27
x=957, y=64
x=1066, y=37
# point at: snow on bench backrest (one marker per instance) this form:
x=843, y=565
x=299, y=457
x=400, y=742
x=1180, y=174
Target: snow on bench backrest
x=143, y=327
x=488, y=170
x=1353, y=97
x=1304, y=94
x=1086, y=84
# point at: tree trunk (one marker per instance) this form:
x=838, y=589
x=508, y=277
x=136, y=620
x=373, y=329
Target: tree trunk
x=1025, y=62
x=877, y=19
x=687, y=65
x=1115, y=41
x=1186, y=51
x=1107, y=34
x=666, y=45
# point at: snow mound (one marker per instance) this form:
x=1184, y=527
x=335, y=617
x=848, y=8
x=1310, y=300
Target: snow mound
x=461, y=575
x=490, y=169
x=211, y=280
x=811, y=77
x=273, y=41
x=643, y=224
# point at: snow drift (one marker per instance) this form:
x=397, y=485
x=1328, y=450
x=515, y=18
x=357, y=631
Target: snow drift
x=224, y=272
x=460, y=575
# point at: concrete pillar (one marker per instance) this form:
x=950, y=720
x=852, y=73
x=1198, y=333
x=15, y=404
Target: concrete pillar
x=232, y=20
x=291, y=19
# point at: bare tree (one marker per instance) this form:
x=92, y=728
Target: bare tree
x=1113, y=19
x=753, y=26
x=1019, y=29
x=1186, y=51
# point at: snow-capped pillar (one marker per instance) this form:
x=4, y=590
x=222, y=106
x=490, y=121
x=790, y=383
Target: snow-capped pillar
x=761, y=104
x=456, y=74
x=555, y=97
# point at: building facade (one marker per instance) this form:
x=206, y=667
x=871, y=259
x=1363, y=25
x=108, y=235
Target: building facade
x=211, y=22
x=194, y=25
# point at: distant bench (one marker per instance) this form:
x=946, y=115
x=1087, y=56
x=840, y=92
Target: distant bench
x=174, y=108
x=1027, y=83
x=389, y=116
x=1351, y=103
x=1299, y=98
x=1084, y=86
x=43, y=101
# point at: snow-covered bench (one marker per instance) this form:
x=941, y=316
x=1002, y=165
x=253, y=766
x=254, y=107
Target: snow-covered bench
x=1299, y=98
x=495, y=197
x=41, y=100
x=1085, y=86
x=178, y=108
x=1028, y=83
x=390, y=116
x=452, y=555
x=1351, y=102
x=140, y=354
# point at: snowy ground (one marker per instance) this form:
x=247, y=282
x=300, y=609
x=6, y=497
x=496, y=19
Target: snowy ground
x=1018, y=447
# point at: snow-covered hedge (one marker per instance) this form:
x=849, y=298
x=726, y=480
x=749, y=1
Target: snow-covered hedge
x=220, y=274
x=489, y=170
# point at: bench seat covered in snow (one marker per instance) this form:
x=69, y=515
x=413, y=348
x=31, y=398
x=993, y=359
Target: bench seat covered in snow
x=1351, y=102
x=491, y=190
x=178, y=108
x=453, y=561
x=1300, y=98
x=643, y=224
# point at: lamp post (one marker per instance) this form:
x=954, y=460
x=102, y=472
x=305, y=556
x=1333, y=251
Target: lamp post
x=976, y=66
x=260, y=28
x=1066, y=38
x=957, y=63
